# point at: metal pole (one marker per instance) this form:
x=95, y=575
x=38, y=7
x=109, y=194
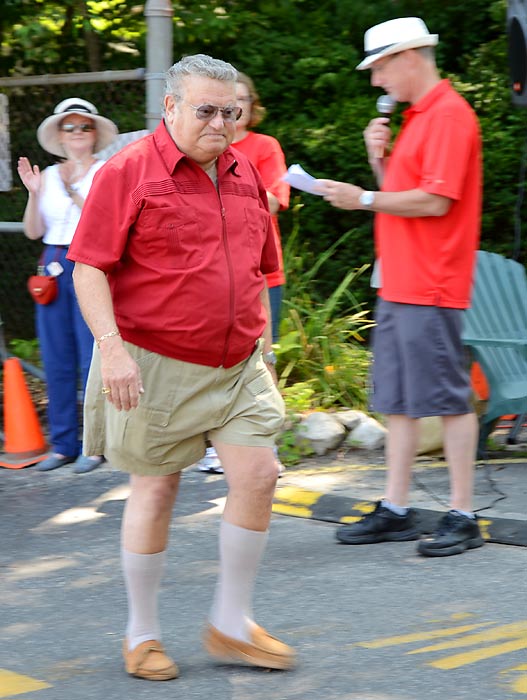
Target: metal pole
x=158, y=15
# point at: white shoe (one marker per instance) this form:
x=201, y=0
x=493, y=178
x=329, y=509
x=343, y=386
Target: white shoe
x=211, y=462
x=281, y=467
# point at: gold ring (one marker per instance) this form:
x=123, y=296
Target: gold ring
x=105, y=390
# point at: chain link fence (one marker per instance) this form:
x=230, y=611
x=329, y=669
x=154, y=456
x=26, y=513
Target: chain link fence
x=24, y=103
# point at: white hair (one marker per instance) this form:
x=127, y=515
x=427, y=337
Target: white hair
x=199, y=64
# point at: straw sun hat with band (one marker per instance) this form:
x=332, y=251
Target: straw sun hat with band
x=395, y=36
x=48, y=132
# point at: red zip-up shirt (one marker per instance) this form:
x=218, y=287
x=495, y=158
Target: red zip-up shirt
x=185, y=260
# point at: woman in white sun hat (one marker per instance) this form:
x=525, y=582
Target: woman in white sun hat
x=74, y=133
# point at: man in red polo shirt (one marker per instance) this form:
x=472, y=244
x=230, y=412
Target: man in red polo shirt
x=171, y=253
x=426, y=235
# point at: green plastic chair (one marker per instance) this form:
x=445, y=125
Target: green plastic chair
x=495, y=331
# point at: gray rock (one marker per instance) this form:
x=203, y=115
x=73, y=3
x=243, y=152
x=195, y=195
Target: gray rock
x=322, y=430
x=349, y=419
x=369, y=434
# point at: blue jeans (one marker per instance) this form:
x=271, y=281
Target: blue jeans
x=275, y=299
x=66, y=345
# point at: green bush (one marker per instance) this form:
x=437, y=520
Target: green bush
x=302, y=56
x=322, y=355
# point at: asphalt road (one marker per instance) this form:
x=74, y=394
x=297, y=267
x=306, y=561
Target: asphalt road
x=369, y=622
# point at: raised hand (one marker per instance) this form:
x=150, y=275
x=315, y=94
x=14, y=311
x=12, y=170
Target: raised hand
x=30, y=175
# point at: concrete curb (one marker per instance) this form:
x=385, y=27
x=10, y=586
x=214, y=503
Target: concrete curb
x=314, y=505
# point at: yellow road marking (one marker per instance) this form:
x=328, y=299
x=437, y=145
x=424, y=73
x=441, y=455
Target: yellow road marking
x=454, y=616
x=291, y=471
x=285, y=509
x=381, y=467
x=15, y=684
x=511, y=637
x=471, y=657
x=519, y=685
x=420, y=636
x=295, y=495
x=514, y=630
x=365, y=507
x=484, y=527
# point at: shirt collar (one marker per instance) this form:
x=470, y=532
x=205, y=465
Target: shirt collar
x=431, y=96
x=171, y=155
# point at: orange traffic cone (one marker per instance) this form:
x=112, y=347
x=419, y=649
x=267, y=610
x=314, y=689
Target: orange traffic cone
x=24, y=443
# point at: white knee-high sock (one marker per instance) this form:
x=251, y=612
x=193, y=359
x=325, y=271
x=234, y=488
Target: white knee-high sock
x=241, y=551
x=142, y=576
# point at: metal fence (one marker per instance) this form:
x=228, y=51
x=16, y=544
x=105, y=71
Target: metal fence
x=24, y=103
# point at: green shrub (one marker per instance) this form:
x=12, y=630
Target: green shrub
x=322, y=356
x=26, y=350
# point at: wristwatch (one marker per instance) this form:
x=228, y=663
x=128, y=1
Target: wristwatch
x=269, y=358
x=366, y=199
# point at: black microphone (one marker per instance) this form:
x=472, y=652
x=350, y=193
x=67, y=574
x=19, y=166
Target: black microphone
x=385, y=105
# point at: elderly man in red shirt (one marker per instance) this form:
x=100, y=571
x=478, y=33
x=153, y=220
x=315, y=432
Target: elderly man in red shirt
x=427, y=221
x=171, y=253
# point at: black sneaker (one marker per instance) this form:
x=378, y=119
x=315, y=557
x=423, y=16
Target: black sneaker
x=383, y=525
x=455, y=533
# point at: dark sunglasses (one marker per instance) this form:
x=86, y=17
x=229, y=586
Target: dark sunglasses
x=71, y=128
x=207, y=112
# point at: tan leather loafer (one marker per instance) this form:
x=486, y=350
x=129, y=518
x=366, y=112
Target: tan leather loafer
x=263, y=650
x=149, y=661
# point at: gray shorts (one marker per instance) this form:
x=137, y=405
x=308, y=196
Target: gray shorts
x=419, y=362
x=183, y=403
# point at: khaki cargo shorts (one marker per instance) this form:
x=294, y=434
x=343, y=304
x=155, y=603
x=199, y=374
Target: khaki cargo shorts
x=183, y=404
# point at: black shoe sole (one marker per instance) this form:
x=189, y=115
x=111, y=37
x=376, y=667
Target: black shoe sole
x=402, y=536
x=458, y=548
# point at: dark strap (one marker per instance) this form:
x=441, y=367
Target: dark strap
x=57, y=254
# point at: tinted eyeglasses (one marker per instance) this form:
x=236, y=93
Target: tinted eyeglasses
x=207, y=112
x=71, y=128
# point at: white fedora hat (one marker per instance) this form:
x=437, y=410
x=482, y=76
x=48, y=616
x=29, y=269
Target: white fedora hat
x=395, y=36
x=48, y=132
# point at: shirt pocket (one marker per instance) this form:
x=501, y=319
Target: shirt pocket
x=173, y=236
x=257, y=222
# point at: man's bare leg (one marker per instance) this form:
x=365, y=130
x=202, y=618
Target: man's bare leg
x=460, y=437
x=401, y=446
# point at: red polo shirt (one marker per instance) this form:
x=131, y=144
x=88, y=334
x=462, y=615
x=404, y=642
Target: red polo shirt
x=185, y=261
x=430, y=260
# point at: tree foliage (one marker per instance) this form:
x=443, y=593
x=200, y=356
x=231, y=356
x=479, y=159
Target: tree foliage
x=302, y=56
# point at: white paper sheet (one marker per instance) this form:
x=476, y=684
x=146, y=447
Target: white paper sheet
x=298, y=178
